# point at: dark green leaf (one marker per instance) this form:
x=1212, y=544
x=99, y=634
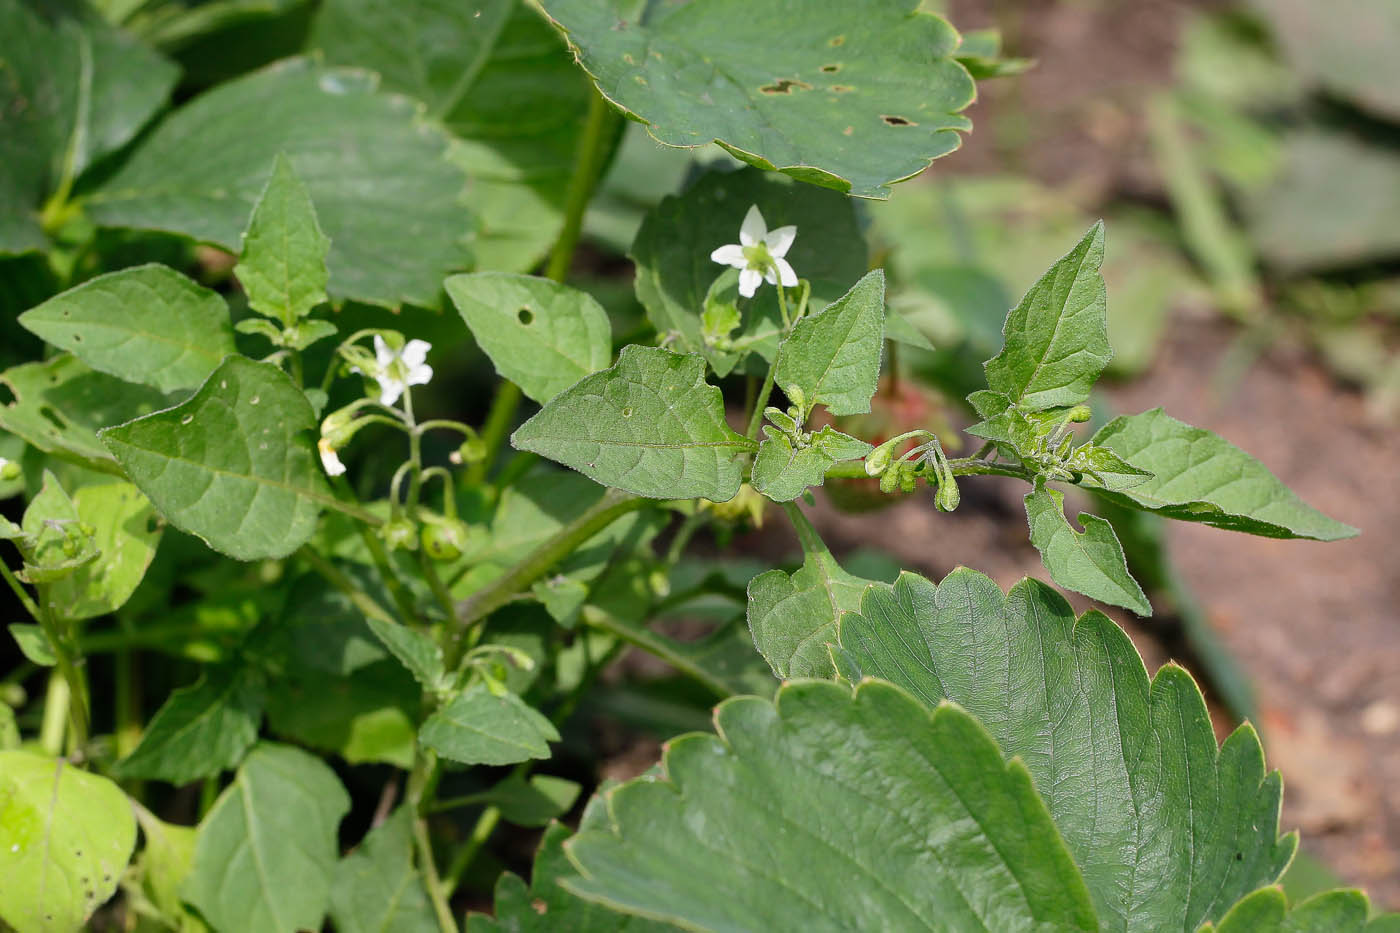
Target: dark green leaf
x=532, y=802
x=376, y=889
x=833, y=357
x=1089, y=561
x=782, y=472
x=283, y=263
x=479, y=727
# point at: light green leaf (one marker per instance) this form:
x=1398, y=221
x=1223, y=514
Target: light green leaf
x=126, y=534
x=650, y=425
x=853, y=97
x=377, y=889
x=164, y=864
x=282, y=266
x=33, y=644
x=828, y=810
x=54, y=543
x=782, y=472
x=833, y=356
x=1168, y=830
x=900, y=330
x=148, y=324
x=1340, y=911
x=1103, y=468
x=1089, y=562
x=1198, y=476
x=1056, y=339
x=266, y=852
x=477, y=727
x=367, y=716
x=201, y=730
x=532, y=802
x=377, y=172
x=541, y=335
x=236, y=465
x=65, y=839
x=415, y=651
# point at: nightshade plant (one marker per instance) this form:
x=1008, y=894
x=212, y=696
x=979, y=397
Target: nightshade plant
x=381, y=623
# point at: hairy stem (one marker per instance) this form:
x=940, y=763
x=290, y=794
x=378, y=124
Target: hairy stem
x=654, y=644
x=599, y=134
x=420, y=782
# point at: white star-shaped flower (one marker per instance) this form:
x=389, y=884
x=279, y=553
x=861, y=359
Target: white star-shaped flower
x=329, y=458
x=399, y=369
x=759, y=254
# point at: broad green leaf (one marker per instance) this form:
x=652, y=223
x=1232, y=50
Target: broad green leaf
x=675, y=273
x=833, y=356
x=65, y=839
x=1102, y=468
x=833, y=810
x=59, y=404
x=477, y=727
x=1168, y=829
x=782, y=472
x=283, y=264
x=1267, y=911
x=1198, y=476
x=1089, y=561
x=378, y=173
x=166, y=857
x=376, y=887
x=497, y=76
x=201, y=730
x=147, y=324
x=541, y=335
x=367, y=716
x=532, y=802
x=853, y=97
x=54, y=543
x=416, y=651
x=266, y=852
x=236, y=465
x=650, y=425
x=1056, y=339
x=34, y=644
x=126, y=534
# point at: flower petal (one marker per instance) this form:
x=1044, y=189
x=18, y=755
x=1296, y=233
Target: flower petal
x=754, y=229
x=415, y=353
x=383, y=353
x=749, y=280
x=419, y=375
x=730, y=254
x=329, y=459
x=780, y=241
x=390, y=390
x=785, y=273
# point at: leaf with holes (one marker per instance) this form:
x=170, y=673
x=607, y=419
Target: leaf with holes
x=1089, y=561
x=283, y=263
x=236, y=465
x=1168, y=829
x=783, y=472
x=479, y=727
x=126, y=533
x=67, y=835
x=833, y=356
x=148, y=324
x=377, y=889
x=255, y=869
x=852, y=96
x=650, y=425
x=541, y=335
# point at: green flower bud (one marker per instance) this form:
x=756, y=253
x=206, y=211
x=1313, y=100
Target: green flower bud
x=473, y=450
x=878, y=460
x=1079, y=414
x=9, y=470
x=947, y=497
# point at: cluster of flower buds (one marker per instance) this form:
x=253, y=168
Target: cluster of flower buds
x=925, y=461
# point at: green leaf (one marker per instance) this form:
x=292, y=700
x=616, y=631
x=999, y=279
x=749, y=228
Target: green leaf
x=9, y=728
x=415, y=651
x=164, y=864
x=852, y=96
x=283, y=263
x=33, y=644
x=1089, y=562
x=1104, y=469
x=148, y=324
x=1056, y=339
x=541, y=335
x=650, y=425
x=201, y=730
x=1168, y=830
x=833, y=356
x=532, y=802
x=376, y=888
x=68, y=836
x=59, y=404
x=1345, y=51
x=782, y=472
x=266, y=851
x=236, y=465
x=54, y=543
x=833, y=810
x=126, y=534
x=675, y=273
x=200, y=172
x=366, y=716
x=1198, y=476
x=477, y=727
x=1267, y=911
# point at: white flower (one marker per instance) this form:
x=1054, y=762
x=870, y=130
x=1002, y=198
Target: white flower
x=399, y=369
x=759, y=254
x=329, y=459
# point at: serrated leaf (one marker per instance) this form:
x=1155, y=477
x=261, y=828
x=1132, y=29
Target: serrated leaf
x=1089, y=561
x=477, y=727
x=1198, y=476
x=266, y=851
x=539, y=334
x=1056, y=339
x=864, y=811
x=650, y=425
x=833, y=357
x=148, y=324
x=853, y=97
x=126, y=534
x=236, y=465
x=200, y=171
x=200, y=730
x=67, y=837
x=1168, y=830
x=377, y=888
x=282, y=266
x=782, y=472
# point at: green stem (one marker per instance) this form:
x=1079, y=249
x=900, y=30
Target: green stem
x=332, y=575
x=420, y=798
x=760, y=402
x=481, y=833
x=56, y=702
x=654, y=644
x=599, y=133
x=807, y=536
x=493, y=432
x=966, y=466
x=24, y=598
x=65, y=651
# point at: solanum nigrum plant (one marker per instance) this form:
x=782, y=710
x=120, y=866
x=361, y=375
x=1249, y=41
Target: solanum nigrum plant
x=305, y=630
